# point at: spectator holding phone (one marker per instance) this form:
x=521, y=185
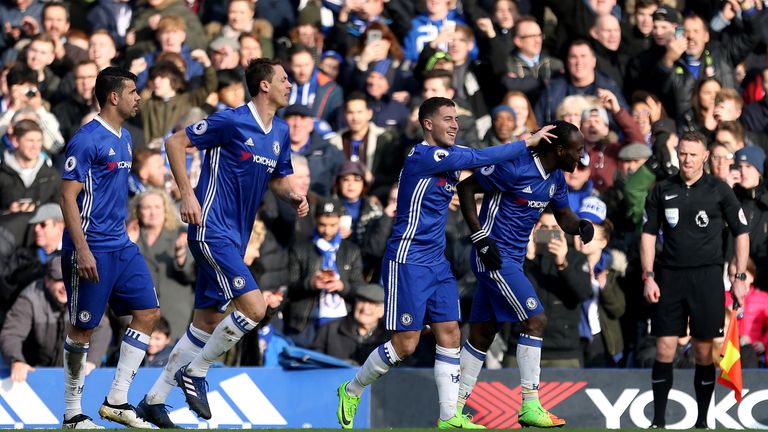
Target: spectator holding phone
x=324, y=273
x=561, y=280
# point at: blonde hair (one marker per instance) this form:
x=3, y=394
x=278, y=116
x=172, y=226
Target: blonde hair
x=171, y=222
x=577, y=103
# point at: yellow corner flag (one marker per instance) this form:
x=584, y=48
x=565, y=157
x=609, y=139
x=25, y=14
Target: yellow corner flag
x=730, y=359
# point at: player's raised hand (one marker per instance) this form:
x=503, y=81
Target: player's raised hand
x=541, y=134
x=190, y=209
x=486, y=250
x=299, y=202
x=86, y=265
x=586, y=231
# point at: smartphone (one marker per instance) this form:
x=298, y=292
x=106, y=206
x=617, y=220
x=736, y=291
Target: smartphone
x=542, y=239
x=373, y=35
x=679, y=32
x=346, y=222
x=24, y=200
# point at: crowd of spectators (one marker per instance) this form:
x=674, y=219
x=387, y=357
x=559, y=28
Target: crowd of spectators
x=633, y=75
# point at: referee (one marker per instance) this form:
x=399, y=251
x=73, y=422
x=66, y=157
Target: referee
x=691, y=210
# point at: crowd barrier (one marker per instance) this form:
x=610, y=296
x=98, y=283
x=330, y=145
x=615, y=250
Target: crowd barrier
x=244, y=398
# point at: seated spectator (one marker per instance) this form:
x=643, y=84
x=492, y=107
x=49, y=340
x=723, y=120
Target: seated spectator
x=323, y=157
x=229, y=94
x=23, y=93
x=324, y=274
x=27, y=179
x=73, y=107
x=146, y=18
x=39, y=57
x=362, y=210
x=156, y=231
x=560, y=277
x=147, y=171
x=378, y=149
x=312, y=87
x=355, y=336
x=161, y=111
x=171, y=34
x=525, y=118
x=24, y=264
x=598, y=143
x=582, y=78
x=502, y=132
x=529, y=68
x=601, y=338
x=160, y=345
x=34, y=329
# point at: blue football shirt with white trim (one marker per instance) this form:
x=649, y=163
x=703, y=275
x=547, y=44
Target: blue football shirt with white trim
x=241, y=157
x=427, y=184
x=517, y=191
x=100, y=158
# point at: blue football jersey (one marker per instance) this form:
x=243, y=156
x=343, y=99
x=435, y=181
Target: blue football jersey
x=517, y=193
x=427, y=184
x=100, y=158
x=241, y=157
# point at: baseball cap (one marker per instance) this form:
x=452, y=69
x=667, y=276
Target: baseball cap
x=45, y=212
x=600, y=111
x=634, y=151
x=593, y=209
x=330, y=207
x=299, y=110
x=53, y=268
x=371, y=292
x=334, y=54
x=350, y=167
x=752, y=155
x=667, y=13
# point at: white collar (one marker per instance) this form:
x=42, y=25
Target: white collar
x=107, y=126
x=542, y=171
x=255, y=114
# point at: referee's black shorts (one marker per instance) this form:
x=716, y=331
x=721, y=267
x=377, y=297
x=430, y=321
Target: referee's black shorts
x=697, y=293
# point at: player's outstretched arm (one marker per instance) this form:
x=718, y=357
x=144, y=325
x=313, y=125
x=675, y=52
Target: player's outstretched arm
x=484, y=245
x=86, y=263
x=541, y=134
x=176, y=148
x=281, y=187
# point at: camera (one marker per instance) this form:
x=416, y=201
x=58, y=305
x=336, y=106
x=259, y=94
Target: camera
x=542, y=239
x=32, y=92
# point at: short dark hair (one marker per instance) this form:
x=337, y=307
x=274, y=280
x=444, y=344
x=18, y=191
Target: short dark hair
x=24, y=127
x=521, y=20
x=642, y=4
x=228, y=77
x=734, y=127
x=141, y=156
x=607, y=227
x=579, y=42
x=446, y=76
x=261, y=69
x=431, y=106
x=20, y=73
x=163, y=326
x=111, y=79
x=300, y=48
x=695, y=136
x=562, y=130
x=356, y=95
x=168, y=70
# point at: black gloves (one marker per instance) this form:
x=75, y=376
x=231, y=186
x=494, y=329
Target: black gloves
x=586, y=230
x=486, y=250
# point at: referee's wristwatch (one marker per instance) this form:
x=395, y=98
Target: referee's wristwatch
x=647, y=275
x=740, y=276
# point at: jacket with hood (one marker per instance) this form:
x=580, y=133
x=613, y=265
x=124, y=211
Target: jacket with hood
x=43, y=188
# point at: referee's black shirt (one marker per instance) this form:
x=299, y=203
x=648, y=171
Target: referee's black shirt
x=692, y=220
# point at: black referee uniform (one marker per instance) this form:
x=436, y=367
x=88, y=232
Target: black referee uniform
x=690, y=267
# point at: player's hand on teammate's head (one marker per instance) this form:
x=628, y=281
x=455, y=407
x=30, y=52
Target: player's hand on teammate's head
x=586, y=231
x=299, y=202
x=541, y=134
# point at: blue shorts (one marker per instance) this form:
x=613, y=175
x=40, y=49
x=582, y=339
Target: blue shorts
x=221, y=274
x=416, y=295
x=124, y=283
x=504, y=295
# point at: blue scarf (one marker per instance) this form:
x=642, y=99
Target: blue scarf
x=328, y=249
x=304, y=94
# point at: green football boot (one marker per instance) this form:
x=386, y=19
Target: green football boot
x=347, y=407
x=532, y=414
x=459, y=421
